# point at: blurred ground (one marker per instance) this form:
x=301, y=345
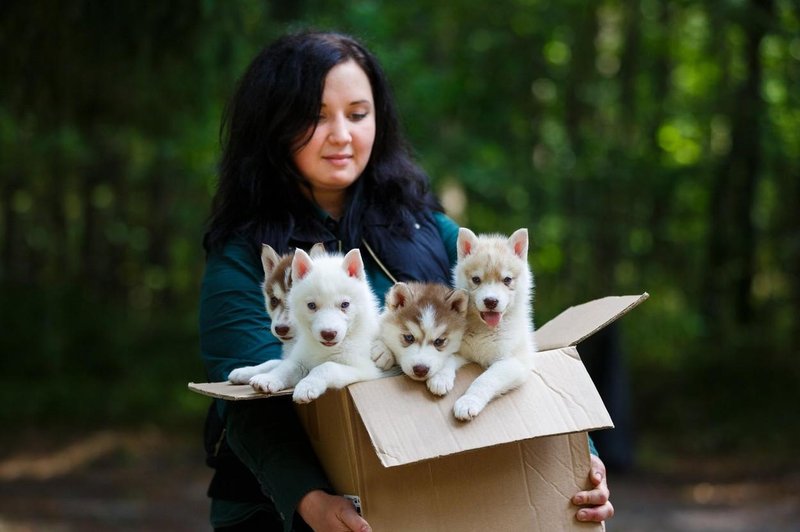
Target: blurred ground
x=151, y=481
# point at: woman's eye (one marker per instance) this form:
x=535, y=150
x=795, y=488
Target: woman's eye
x=507, y=281
x=408, y=338
x=312, y=306
x=439, y=342
x=476, y=280
x=344, y=305
x=357, y=117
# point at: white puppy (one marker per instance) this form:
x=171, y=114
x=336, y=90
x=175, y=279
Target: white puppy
x=276, y=286
x=336, y=319
x=499, y=337
x=421, y=329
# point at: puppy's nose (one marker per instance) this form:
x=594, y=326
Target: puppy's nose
x=281, y=330
x=420, y=370
x=328, y=335
x=490, y=302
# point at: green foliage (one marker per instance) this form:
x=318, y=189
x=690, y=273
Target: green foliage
x=647, y=145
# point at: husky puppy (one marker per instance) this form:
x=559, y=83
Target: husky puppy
x=336, y=320
x=422, y=328
x=499, y=337
x=276, y=286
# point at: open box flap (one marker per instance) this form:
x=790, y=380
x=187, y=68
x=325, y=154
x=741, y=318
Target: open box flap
x=581, y=321
x=232, y=392
x=406, y=423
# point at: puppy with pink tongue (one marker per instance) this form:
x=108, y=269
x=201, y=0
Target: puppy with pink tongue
x=494, y=270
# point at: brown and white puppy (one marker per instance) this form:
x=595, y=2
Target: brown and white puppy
x=494, y=270
x=276, y=287
x=422, y=327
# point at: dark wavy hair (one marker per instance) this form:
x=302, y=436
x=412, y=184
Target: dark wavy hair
x=277, y=102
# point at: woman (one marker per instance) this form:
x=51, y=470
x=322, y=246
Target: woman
x=313, y=153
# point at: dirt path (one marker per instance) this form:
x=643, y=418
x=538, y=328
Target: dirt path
x=148, y=481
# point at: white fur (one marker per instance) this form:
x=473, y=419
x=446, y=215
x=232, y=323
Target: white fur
x=421, y=329
x=494, y=270
x=336, y=316
x=277, y=284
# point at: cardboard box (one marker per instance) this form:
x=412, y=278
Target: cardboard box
x=405, y=460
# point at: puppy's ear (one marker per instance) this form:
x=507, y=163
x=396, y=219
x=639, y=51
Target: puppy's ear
x=458, y=300
x=269, y=259
x=398, y=296
x=466, y=242
x=353, y=264
x=317, y=250
x=301, y=265
x=518, y=242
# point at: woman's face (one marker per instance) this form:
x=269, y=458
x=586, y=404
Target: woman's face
x=341, y=143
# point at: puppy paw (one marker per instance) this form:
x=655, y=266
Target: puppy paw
x=308, y=389
x=440, y=384
x=267, y=383
x=242, y=375
x=467, y=407
x=382, y=355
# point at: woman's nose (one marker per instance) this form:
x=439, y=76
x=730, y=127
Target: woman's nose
x=340, y=132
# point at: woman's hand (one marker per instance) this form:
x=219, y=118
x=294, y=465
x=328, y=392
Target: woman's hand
x=594, y=503
x=324, y=512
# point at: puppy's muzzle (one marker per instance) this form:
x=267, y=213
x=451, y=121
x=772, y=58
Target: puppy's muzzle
x=420, y=370
x=328, y=337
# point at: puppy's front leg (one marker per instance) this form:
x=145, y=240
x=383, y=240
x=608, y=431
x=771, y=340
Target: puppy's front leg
x=243, y=375
x=381, y=355
x=327, y=375
x=285, y=375
x=500, y=377
x=442, y=382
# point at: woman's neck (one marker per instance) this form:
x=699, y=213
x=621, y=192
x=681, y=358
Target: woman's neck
x=335, y=209
x=332, y=202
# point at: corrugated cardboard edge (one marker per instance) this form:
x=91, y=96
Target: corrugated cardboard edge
x=232, y=392
x=579, y=322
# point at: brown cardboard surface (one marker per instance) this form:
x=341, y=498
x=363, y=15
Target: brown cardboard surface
x=407, y=423
x=232, y=392
x=524, y=485
x=581, y=321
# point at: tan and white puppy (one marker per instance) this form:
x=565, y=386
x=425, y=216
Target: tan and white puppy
x=276, y=286
x=499, y=336
x=421, y=328
x=336, y=321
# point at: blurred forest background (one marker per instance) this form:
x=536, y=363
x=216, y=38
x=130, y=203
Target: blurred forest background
x=648, y=145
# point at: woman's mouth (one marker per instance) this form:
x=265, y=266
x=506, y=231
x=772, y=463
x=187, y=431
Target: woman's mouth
x=338, y=160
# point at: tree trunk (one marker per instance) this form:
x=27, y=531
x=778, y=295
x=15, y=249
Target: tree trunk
x=732, y=239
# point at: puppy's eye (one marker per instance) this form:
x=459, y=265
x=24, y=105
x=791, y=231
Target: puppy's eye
x=312, y=306
x=344, y=305
x=476, y=280
x=408, y=339
x=439, y=343
x=507, y=281
x=274, y=301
